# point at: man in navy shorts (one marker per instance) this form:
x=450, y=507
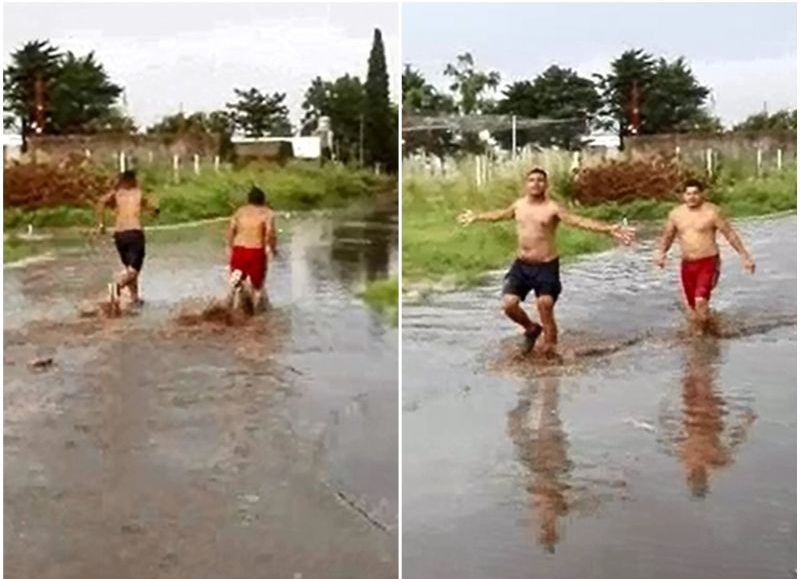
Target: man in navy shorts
x=536, y=267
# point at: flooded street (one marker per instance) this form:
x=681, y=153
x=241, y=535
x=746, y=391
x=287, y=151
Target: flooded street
x=646, y=453
x=163, y=445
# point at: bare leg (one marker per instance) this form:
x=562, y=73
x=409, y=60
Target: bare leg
x=545, y=304
x=259, y=300
x=234, y=285
x=247, y=298
x=513, y=309
x=703, y=316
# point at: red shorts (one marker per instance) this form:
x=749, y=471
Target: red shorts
x=251, y=261
x=699, y=277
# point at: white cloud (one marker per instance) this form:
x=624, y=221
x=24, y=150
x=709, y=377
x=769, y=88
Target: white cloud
x=200, y=69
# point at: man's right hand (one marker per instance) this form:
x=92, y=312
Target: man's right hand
x=466, y=217
x=661, y=259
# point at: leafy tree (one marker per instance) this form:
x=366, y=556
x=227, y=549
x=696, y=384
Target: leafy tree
x=670, y=99
x=471, y=85
x=631, y=72
x=83, y=97
x=380, y=125
x=557, y=94
x=259, y=114
x=76, y=92
x=214, y=123
x=783, y=120
x=422, y=98
x=342, y=101
x=36, y=59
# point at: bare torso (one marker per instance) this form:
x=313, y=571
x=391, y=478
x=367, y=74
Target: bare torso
x=537, y=222
x=128, y=211
x=252, y=226
x=696, y=230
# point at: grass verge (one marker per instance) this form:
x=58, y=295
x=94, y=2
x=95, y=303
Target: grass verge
x=437, y=251
x=381, y=295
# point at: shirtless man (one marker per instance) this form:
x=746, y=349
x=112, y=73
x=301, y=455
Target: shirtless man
x=252, y=239
x=536, y=267
x=695, y=223
x=128, y=201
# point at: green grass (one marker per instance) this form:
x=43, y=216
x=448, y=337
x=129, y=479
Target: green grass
x=438, y=250
x=293, y=187
x=15, y=250
x=381, y=295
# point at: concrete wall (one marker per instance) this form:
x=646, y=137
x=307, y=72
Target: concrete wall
x=138, y=148
x=693, y=147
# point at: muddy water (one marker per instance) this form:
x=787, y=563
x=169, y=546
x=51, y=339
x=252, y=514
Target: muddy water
x=165, y=445
x=645, y=453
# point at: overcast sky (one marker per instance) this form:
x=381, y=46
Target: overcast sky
x=194, y=55
x=746, y=53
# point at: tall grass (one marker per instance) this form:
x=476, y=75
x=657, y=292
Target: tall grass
x=296, y=186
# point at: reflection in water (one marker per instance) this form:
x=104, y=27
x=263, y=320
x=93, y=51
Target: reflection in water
x=363, y=246
x=536, y=430
x=702, y=447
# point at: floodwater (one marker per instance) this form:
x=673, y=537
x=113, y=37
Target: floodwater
x=167, y=445
x=644, y=453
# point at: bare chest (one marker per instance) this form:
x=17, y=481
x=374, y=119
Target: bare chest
x=536, y=219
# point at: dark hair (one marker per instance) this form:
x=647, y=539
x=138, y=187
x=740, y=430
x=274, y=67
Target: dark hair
x=694, y=183
x=127, y=179
x=256, y=196
x=537, y=170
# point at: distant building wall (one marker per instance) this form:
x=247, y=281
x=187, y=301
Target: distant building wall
x=732, y=145
x=137, y=148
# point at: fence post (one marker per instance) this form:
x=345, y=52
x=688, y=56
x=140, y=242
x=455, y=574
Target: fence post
x=678, y=152
x=176, y=168
x=780, y=159
x=759, y=160
x=709, y=161
x=477, y=171
x=150, y=157
x=513, y=137
x=196, y=164
x=122, y=166
x=216, y=163
x=576, y=162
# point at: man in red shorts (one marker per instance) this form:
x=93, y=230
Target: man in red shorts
x=695, y=223
x=252, y=239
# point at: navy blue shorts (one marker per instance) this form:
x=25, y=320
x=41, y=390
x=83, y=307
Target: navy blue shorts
x=130, y=246
x=542, y=278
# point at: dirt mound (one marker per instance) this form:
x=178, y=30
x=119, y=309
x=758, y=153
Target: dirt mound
x=36, y=185
x=651, y=178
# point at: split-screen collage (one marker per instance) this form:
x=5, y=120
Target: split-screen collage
x=400, y=289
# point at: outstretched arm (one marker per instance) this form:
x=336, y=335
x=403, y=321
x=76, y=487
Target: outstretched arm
x=727, y=230
x=100, y=210
x=622, y=232
x=468, y=216
x=665, y=242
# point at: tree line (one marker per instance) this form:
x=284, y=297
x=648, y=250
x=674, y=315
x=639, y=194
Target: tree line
x=641, y=94
x=52, y=92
